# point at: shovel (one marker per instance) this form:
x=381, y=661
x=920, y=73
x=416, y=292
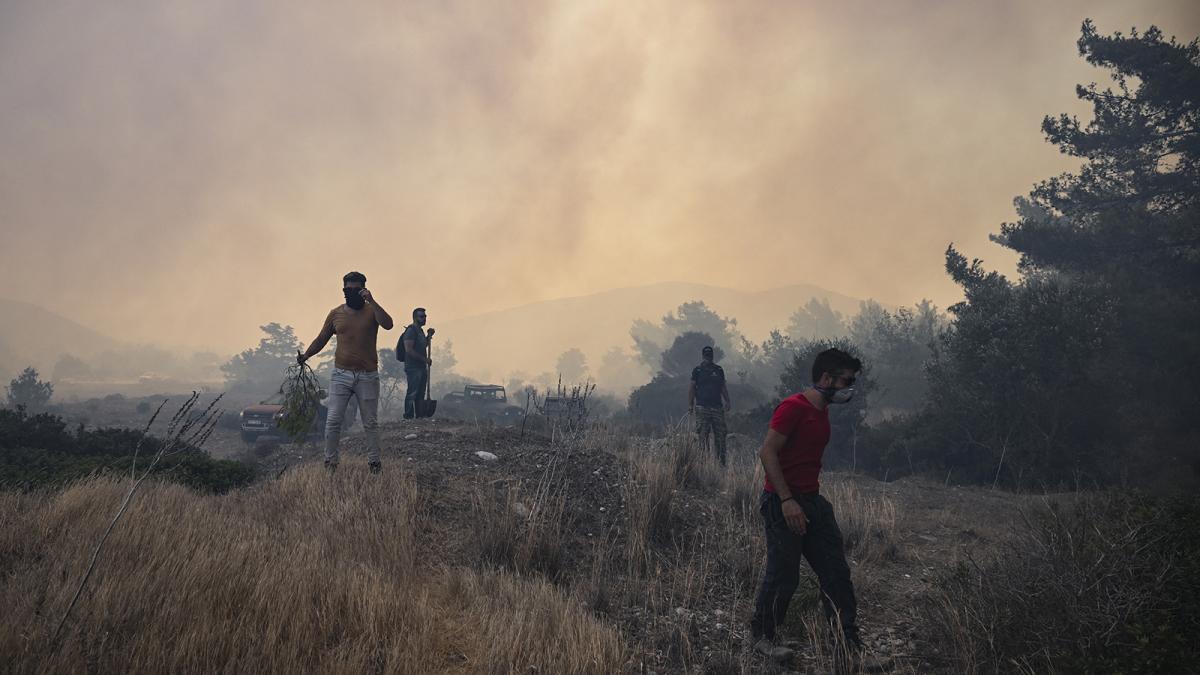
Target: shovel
x=426, y=407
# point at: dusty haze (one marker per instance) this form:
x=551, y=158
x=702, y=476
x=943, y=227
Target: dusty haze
x=180, y=173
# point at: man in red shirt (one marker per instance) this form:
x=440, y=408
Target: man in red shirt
x=799, y=521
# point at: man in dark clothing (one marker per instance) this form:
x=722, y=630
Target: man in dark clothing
x=416, y=361
x=799, y=521
x=708, y=400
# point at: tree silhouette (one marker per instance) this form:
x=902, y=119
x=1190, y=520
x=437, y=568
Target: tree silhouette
x=28, y=391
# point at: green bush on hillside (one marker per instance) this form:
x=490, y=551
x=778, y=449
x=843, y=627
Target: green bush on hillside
x=40, y=450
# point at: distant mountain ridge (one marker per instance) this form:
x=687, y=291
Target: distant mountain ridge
x=32, y=335
x=530, y=337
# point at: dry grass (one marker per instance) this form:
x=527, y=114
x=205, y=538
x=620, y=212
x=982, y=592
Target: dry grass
x=867, y=521
x=521, y=534
x=1089, y=583
x=359, y=573
x=306, y=573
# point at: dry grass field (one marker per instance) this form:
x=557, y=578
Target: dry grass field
x=596, y=553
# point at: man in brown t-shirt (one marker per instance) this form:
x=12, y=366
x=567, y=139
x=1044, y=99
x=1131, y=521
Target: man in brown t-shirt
x=355, y=365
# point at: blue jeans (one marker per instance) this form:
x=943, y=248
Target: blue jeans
x=418, y=379
x=363, y=386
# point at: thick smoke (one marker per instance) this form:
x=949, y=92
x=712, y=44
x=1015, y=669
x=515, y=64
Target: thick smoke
x=185, y=172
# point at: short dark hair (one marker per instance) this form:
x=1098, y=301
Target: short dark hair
x=832, y=360
x=419, y=309
x=706, y=348
x=352, y=277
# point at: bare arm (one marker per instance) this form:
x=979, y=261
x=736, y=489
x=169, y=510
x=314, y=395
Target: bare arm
x=411, y=355
x=769, y=455
x=319, y=343
x=410, y=351
x=691, y=394
x=381, y=316
x=725, y=396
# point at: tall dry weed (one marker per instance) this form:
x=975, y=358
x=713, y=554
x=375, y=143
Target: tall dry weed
x=522, y=534
x=1086, y=583
x=867, y=521
x=524, y=625
x=650, y=500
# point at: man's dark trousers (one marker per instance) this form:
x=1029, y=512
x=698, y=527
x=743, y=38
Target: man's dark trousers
x=822, y=546
x=418, y=379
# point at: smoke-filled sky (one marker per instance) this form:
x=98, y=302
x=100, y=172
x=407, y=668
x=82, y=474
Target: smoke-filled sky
x=181, y=172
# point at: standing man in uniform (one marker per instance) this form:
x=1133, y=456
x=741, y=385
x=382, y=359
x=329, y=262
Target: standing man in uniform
x=416, y=361
x=799, y=521
x=356, y=365
x=708, y=400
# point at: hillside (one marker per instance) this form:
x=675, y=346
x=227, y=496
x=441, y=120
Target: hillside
x=37, y=336
x=605, y=553
x=530, y=337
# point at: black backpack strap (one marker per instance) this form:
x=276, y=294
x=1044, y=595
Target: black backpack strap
x=400, y=343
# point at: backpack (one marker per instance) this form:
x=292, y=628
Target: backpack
x=400, y=344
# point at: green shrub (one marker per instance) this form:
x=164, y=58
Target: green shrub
x=40, y=450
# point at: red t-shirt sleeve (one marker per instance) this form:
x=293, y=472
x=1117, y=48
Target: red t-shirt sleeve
x=787, y=417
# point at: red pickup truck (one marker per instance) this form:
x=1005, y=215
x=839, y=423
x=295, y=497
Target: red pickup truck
x=261, y=420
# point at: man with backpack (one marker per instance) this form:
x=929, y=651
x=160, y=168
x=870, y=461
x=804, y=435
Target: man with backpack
x=414, y=346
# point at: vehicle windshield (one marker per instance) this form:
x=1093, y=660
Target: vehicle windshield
x=274, y=399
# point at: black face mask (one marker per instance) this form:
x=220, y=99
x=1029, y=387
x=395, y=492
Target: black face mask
x=353, y=299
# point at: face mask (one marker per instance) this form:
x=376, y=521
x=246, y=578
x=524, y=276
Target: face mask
x=836, y=395
x=353, y=299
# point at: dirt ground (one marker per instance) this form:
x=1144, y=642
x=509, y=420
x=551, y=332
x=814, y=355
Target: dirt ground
x=936, y=527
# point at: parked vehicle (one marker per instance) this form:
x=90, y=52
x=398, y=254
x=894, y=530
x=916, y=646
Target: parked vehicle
x=481, y=401
x=261, y=420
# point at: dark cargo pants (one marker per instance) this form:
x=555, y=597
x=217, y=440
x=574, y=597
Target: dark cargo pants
x=711, y=421
x=822, y=547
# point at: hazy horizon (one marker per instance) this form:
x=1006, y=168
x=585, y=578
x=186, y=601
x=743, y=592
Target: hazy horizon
x=526, y=338
x=180, y=173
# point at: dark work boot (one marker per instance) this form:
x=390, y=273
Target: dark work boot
x=375, y=467
x=774, y=650
x=330, y=466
